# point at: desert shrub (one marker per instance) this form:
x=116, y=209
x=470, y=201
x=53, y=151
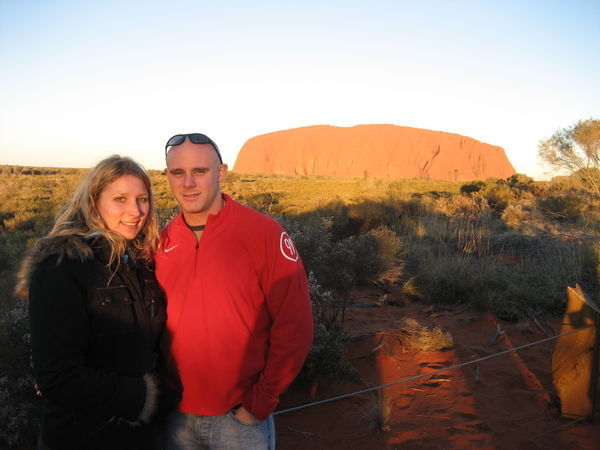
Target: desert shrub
x=351, y=262
x=327, y=359
x=533, y=286
x=466, y=226
x=326, y=257
x=538, y=284
x=592, y=269
x=418, y=205
x=469, y=207
x=471, y=188
x=411, y=289
x=479, y=282
x=520, y=181
x=513, y=215
x=473, y=236
x=418, y=337
x=589, y=218
x=388, y=245
x=339, y=265
x=498, y=196
x=448, y=279
x=371, y=214
x=540, y=188
x=565, y=207
x=566, y=183
x=18, y=405
x=323, y=302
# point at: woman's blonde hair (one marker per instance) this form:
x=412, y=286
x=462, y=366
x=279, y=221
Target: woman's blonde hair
x=80, y=216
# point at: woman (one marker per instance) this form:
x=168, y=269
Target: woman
x=96, y=313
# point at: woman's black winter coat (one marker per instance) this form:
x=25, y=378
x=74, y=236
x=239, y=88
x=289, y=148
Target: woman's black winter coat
x=95, y=333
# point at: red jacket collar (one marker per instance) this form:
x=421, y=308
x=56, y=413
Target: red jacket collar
x=213, y=219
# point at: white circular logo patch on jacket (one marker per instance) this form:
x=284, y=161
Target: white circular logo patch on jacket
x=288, y=249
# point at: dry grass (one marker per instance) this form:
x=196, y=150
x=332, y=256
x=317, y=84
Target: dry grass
x=415, y=336
x=302, y=194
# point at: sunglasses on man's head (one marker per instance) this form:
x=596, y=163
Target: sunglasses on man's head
x=195, y=138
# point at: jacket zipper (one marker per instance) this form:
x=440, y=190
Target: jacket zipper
x=196, y=260
x=197, y=255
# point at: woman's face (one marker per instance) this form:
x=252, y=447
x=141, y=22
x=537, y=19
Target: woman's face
x=124, y=205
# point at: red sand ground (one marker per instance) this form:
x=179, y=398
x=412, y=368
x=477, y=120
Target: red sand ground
x=500, y=403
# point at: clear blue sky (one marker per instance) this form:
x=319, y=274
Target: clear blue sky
x=81, y=80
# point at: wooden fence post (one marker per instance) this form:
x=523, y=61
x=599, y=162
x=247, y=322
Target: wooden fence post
x=575, y=358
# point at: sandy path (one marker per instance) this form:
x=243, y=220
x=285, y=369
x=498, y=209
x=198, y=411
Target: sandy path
x=500, y=403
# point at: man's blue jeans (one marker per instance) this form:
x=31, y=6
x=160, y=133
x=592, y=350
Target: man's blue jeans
x=225, y=432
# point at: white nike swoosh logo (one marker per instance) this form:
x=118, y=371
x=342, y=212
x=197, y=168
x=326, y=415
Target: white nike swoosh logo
x=167, y=250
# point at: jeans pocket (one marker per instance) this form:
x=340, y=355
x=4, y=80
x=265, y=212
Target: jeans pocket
x=232, y=416
x=232, y=434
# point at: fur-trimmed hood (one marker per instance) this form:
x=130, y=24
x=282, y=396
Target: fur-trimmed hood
x=71, y=247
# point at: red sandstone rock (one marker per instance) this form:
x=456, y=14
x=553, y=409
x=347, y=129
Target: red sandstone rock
x=387, y=151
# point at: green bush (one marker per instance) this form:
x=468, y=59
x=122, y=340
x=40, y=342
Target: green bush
x=340, y=265
x=351, y=262
x=327, y=359
x=471, y=188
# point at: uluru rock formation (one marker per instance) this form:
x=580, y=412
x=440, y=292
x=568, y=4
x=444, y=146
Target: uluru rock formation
x=387, y=151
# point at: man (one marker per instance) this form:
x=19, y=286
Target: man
x=239, y=313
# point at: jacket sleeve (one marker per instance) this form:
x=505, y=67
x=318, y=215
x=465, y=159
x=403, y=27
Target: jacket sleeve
x=60, y=338
x=288, y=301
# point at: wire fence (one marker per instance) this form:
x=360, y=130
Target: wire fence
x=428, y=374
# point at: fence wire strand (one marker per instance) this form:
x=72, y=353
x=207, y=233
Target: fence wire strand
x=428, y=374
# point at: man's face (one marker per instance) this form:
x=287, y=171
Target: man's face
x=194, y=173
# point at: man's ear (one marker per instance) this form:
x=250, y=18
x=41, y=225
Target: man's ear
x=222, y=172
x=166, y=171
